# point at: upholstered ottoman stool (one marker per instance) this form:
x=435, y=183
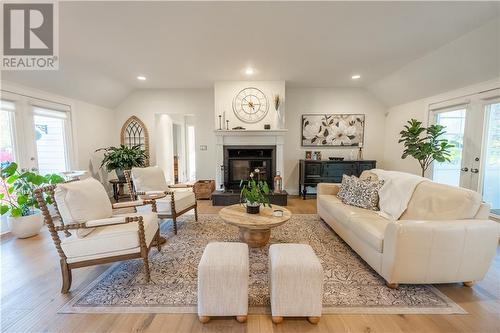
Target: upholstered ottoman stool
x=296, y=277
x=223, y=281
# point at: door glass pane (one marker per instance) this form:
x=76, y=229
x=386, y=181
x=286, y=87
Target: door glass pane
x=491, y=171
x=50, y=139
x=449, y=172
x=7, y=151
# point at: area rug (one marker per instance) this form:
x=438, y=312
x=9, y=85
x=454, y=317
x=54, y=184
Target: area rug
x=350, y=285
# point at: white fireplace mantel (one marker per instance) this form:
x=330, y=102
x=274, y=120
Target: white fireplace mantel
x=247, y=138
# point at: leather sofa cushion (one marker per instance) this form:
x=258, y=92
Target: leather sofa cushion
x=433, y=201
x=342, y=212
x=370, y=229
x=148, y=179
x=104, y=241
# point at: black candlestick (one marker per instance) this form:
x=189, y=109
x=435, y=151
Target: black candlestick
x=227, y=125
x=220, y=123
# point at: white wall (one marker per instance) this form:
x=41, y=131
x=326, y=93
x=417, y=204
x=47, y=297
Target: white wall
x=330, y=100
x=92, y=128
x=225, y=91
x=199, y=103
x=397, y=117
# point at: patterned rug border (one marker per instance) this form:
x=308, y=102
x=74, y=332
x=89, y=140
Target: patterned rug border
x=69, y=308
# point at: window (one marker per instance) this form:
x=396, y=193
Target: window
x=51, y=140
x=491, y=180
x=7, y=132
x=454, y=122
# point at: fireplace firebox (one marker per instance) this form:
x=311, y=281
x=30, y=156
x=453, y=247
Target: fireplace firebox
x=240, y=161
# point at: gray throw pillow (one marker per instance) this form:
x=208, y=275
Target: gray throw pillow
x=361, y=193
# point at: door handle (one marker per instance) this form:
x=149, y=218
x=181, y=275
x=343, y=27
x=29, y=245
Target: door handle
x=474, y=170
x=465, y=169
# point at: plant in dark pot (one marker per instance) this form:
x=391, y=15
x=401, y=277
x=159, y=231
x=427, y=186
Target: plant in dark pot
x=122, y=158
x=17, y=198
x=254, y=193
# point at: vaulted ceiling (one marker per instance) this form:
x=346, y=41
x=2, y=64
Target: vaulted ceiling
x=105, y=45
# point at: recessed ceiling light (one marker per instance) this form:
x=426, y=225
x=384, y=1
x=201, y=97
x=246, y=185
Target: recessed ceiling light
x=141, y=78
x=249, y=71
x=356, y=76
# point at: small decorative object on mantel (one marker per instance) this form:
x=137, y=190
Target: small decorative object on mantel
x=346, y=130
x=227, y=125
x=279, y=112
x=239, y=128
x=254, y=193
x=308, y=155
x=267, y=126
x=220, y=122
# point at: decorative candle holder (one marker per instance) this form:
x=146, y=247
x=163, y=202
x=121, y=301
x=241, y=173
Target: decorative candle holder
x=220, y=123
x=227, y=125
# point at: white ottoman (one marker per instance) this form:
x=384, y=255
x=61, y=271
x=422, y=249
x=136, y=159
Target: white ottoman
x=223, y=281
x=296, y=277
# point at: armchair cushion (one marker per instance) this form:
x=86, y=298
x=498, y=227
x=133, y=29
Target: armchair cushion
x=82, y=200
x=110, y=240
x=148, y=179
x=183, y=200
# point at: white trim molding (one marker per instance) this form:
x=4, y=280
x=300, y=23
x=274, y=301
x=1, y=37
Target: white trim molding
x=247, y=138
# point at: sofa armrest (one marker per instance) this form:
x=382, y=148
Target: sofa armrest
x=328, y=188
x=438, y=251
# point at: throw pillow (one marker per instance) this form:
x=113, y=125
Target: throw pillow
x=344, y=187
x=362, y=193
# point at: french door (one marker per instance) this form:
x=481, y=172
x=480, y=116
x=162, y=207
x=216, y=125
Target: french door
x=473, y=127
x=36, y=134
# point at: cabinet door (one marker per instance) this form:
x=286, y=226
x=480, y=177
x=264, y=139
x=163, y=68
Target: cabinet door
x=313, y=169
x=362, y=166
x=334, y=171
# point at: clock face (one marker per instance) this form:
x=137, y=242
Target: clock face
x=250, y=105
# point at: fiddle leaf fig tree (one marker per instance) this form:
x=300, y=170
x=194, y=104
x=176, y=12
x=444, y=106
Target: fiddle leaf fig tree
x=425, y=144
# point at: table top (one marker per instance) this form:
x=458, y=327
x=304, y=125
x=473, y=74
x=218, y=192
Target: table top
x=237, y=215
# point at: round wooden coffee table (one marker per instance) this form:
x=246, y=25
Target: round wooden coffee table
x=255, y=229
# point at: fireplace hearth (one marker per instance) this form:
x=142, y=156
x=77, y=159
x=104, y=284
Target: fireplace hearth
x=240, y=161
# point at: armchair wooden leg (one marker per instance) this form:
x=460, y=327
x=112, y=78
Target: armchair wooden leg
x=158, y=242
x=146, y=268
x=66, y=277
x=174, y=221
x=144, y=248
x=468, y=283
x=196, y=213
x=204, y=319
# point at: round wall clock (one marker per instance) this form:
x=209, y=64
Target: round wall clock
x=250, y=105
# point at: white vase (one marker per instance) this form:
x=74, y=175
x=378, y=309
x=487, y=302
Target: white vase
x=26, y=226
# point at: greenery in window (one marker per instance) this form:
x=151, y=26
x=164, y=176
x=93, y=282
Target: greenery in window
x=425, y=144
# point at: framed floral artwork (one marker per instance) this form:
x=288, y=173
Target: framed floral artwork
x=335, y=130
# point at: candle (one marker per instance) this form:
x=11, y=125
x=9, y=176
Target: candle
x=360, y=145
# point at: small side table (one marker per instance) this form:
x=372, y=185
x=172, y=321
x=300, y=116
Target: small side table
x=118, y=189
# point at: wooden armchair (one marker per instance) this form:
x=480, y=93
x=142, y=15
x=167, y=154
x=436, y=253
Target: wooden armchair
x=150, y=181
x=93, y=235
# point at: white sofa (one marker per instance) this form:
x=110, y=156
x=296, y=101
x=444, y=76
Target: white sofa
x=443, y=236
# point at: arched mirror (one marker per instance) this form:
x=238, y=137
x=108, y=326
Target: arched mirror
x=134, y=132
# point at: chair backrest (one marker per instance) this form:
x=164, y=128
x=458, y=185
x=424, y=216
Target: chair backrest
x=148, y=179
x=82, y=200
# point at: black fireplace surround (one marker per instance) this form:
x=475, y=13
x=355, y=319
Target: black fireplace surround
x=240, y=161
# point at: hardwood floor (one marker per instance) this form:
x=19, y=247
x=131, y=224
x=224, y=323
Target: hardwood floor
x=31, y=282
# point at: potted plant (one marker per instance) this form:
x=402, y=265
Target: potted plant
x=425, y=144
x=254, y=193
x=17, y=197
x=123, y=158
